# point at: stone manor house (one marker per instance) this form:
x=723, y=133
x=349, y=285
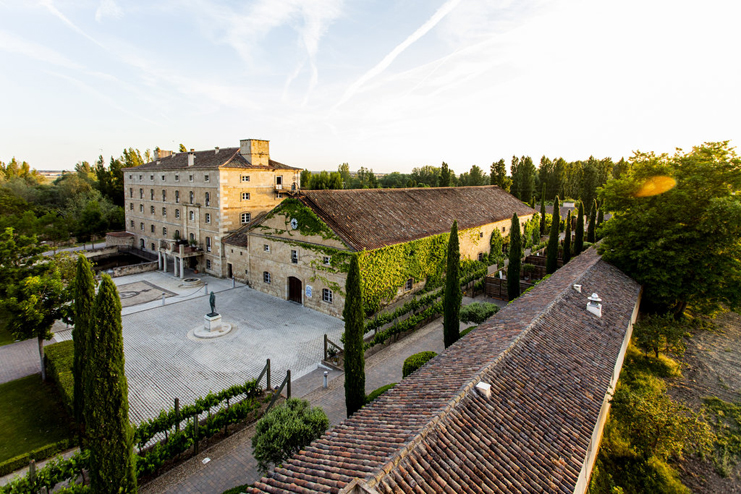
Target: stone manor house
x=181, y=205
x=236, y=213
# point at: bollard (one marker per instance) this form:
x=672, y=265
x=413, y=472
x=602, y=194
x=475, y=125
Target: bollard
x=163, y=298
x=234, y=283
x=325, y=379
x=206, y=287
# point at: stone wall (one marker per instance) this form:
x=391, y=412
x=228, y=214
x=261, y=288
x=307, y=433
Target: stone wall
x=134, y=269
x=116, y=240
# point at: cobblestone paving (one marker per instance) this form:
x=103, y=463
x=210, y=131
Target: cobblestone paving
x=163, y=363
x=232, y=463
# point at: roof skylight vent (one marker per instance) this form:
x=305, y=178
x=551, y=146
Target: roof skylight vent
x=484, y=389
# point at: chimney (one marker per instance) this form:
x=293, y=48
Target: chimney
x=595, y=305
x=191, y=158
x=255, y=151
x=217, y=150
x=484, y=389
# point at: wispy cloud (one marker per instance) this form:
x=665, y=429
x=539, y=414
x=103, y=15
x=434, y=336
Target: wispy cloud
x=446, y=8
x=108, y=8
x=12, y=43
x=53, y=10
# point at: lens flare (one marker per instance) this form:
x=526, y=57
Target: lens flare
x=655, y=186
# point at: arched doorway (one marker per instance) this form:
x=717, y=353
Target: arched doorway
x=141, y=243
x=295, y=290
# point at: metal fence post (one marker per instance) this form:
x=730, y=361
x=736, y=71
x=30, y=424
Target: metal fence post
x=177, y=414
x=325, y=346
x=268, y=374
x=195, y=434
x=288, y=377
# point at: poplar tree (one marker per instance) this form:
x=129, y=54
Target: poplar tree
x=542, y=212
x=515, y=259
x=592, y=222
x=551, y=262
x=453, y=296
x=567, y=240
x=109, y=432
x=353, y=315
x=579, y=234
x=84, y=292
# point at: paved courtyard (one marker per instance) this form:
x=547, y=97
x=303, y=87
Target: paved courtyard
x=162, y=362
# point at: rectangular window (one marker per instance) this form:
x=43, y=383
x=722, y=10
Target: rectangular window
x=191, y=196
x=163, y=178
x=177, y=213
x=266, y=277
x=164, y=231
x=140, y=177
x=208, y=217
x=192, y=216
x=151, y=177
x=409, y=284
x=151, y=228
x=131, y=192
x=132, y=223
x=245, y=196
x=327, y=295
x=151, y=194
x=208, y=263
x=279, y=196
x=164, y=212
x=246, y=218
x=177, y=178
x=279, y=181
x=141, y=208
x=208, y=199
x=131, y=206
x=141, y=226
x=294, y=257
x=205, y=177
x=245, y=178
x=141, y=193
x=177, y=197
x=208, y=244
x=164, y=195
x=481, y=256
x=190, y=178
x=131, y=176
x=266, y=248
x=481, y=234
x=327, y=260
x=151, y=209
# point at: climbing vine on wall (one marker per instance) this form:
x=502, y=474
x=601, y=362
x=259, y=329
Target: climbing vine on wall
x=309, y=223
x=531, y=231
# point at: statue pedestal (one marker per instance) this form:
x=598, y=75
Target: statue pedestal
x=212, y=323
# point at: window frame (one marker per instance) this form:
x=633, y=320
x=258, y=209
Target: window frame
x=327, y=296
x=266, y=278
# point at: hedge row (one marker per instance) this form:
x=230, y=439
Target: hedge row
x=16, y=463
x=414, y=362
x=58, y=360
x=409, y=323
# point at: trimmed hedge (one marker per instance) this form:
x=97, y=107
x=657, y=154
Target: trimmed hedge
x=378, y=392
x=58, y=359
x=38, y=454
x=414, y=362
x=478, y=312
x=54, y=472
x=467, y=330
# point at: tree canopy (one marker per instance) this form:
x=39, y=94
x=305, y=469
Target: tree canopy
x=676, y=226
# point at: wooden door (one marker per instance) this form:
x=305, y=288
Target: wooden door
x=295, y=290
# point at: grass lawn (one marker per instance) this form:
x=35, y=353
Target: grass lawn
x=31, y=416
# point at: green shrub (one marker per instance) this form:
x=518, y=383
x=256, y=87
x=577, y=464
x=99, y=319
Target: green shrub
x=478, y=312
x=467, y=330
x=59, y=359
x=238, y=490
x=38, y=454
x=378, y=392
x=414, y=362
x=285, y=430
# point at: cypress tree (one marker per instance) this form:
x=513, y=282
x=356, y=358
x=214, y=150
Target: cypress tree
x=567, y=240
x=542, y=212
x=353, y=315
x=109, y=432
x=579, y=233
x=84, y=292
x=515, y=259
x=453, y=295
x=551, y=261
x=592, y=222
x=600, y=220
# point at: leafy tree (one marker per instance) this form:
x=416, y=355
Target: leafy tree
x=426, y=176
x=353, y=315
x=109, y=432
x=477, y=177
x=579, y=233
x=344, y=170
x=682, y=244
x=592, y=222
x=515, y=259
x=662, y=332
x=444, y=175
x=335, y=181
x=305, y=179
x=453, y=296
x=182, y=148
x=285, y=430
x=84, y=293
x=567, y=240
x=523, y=177
x=496, y=242
x=499, y=176
x=478, y=312
x=551, y=262
x=542, y=212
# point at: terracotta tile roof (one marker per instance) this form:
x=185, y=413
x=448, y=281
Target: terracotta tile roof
x=210, y=159
x=372, y=218
x=549, y=363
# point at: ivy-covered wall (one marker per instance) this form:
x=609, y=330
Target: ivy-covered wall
x=384, y=271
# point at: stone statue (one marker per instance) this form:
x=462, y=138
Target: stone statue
x=212, y=301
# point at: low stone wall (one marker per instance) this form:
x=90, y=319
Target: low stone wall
x=104, y=252
x=112, y=240
x=134, y=269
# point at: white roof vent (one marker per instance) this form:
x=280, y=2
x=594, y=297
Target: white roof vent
x=217, y=150
x=484, y=389
x=577, y=288
x=595, y=305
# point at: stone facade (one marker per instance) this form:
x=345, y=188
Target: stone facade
x=201, y=197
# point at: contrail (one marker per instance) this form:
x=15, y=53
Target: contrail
x=383, y=64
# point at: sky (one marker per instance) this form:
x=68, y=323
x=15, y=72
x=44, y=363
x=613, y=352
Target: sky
x=388, y=84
